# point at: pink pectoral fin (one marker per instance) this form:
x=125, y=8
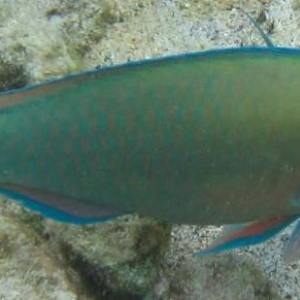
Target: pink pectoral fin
x=241, y=235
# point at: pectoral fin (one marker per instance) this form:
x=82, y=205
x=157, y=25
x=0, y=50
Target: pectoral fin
x=58, y=207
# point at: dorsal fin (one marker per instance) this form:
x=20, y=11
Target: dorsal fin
x=265, y=37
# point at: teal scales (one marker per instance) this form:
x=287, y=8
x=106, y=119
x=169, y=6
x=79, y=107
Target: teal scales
x=199, y=138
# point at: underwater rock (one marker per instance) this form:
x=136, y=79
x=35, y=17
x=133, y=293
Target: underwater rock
x=28, y=269
x=51, y=37
x=223, y=277
x=121, y=259
x=12, y=76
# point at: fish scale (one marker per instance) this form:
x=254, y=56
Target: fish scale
x=201, y=138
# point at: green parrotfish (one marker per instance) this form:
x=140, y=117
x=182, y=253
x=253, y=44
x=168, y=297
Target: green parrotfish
x=201, y=138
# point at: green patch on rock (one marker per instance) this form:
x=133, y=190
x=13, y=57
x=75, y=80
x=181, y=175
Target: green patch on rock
x=85, y=23
x=221, y=277
x=210, y=9
x=12, y=76
x=5, y=245
x=120, y=259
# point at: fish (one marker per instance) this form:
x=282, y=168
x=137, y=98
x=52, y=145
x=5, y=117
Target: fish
x=206, y=138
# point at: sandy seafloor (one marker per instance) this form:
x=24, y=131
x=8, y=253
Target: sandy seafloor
x=143, y=29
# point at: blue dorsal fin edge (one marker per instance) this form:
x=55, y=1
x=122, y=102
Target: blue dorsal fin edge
x=265, y=37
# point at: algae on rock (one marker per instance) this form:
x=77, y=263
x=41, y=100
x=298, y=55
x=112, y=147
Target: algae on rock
x=121, y=258
x=12, y=76
x=224, y=277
